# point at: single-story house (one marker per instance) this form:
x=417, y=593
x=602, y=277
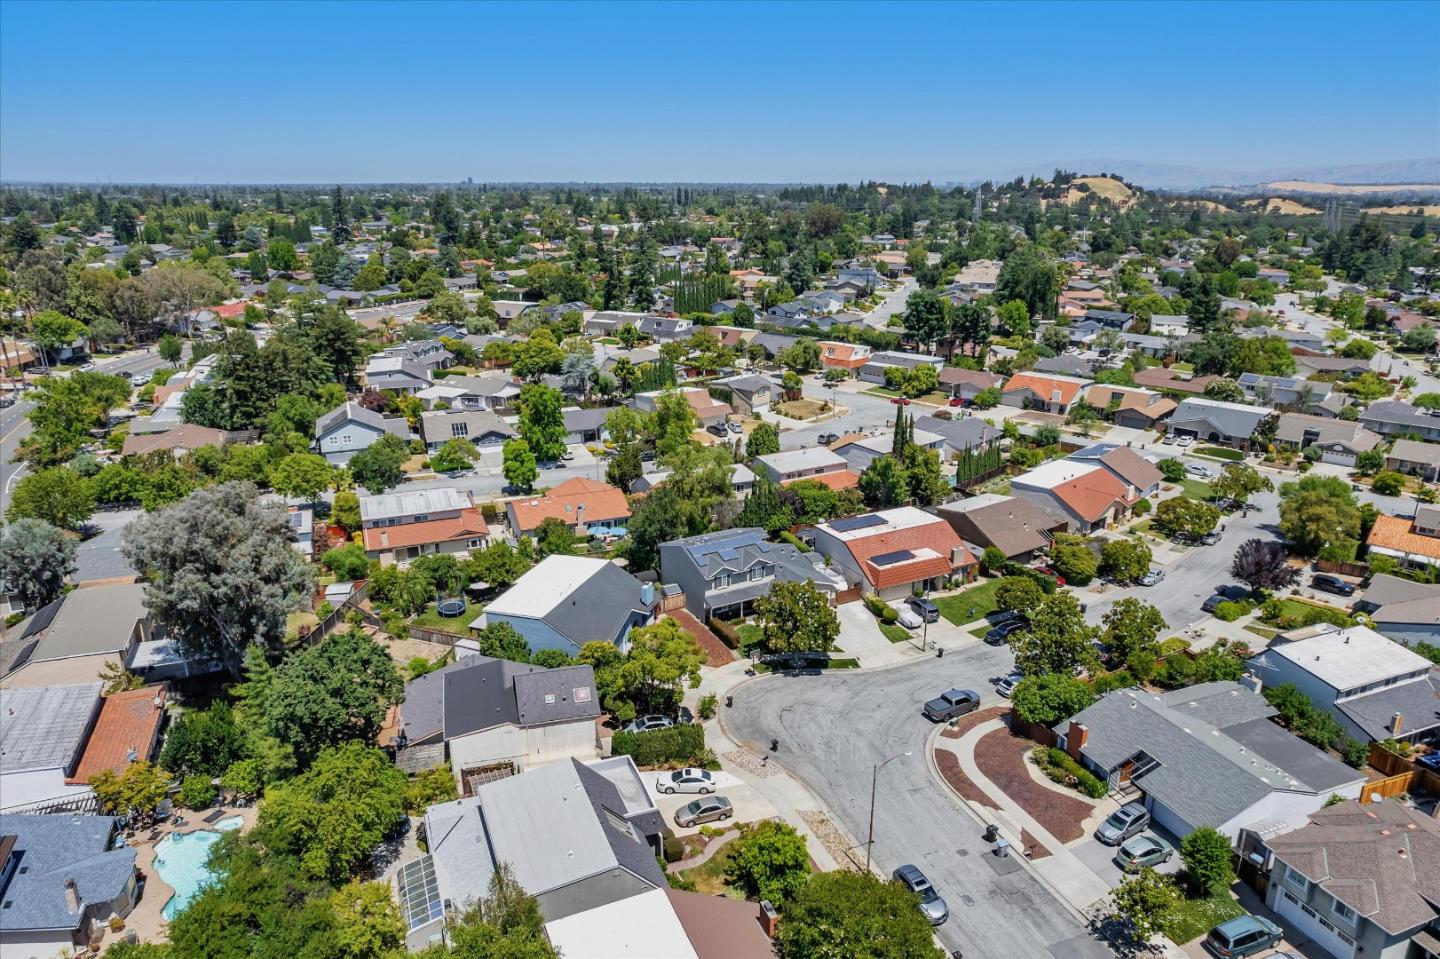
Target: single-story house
x=1159, y=378
x=807, y=463
x=1340, y=441
x=1414, y=542
x=1392, y=418
x=750, y=393
x=397, y=373
x=74, y=638
x=873, y=370
x=185, y=438
x=585, y=425
x=1050, y=394
x=42, y=739
x=1020, y=528
x=1307, y=364
x=968, y=433
x=1088, y=494
x=1228, y=424
x=1415, y=458
x=966, y=384
x=564, y=602
x=585, y=505
x=1125, y=464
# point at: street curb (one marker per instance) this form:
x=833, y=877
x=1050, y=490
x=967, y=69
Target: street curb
x=983, y=817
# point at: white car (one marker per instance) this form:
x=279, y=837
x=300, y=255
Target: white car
x=1195, y=469
x=139, y=380
x=1184, y=441
x=908, y=617
x=700, y=781
x=1007, y=685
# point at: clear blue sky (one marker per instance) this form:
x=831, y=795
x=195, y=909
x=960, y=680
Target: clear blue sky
x=327, y=92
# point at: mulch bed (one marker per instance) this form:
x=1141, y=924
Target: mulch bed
x=717, y=652
x=970, y=720
x=1002, y=758
x=949, y=765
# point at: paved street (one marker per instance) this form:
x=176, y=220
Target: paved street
x=834, y=728
x=891, y=304
x=14, y=427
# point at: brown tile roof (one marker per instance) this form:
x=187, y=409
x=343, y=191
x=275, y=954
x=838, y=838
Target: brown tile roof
x=601, y=502
x=468, y=525
x=128, y=721
x=1132, y=467
x=1157, y=377
x=954, y=376
x=186, y=436
x=719, y=927
x=1044, y=387
x=706, y=406
x=835, y=479
x=934, y=542
x=1092, y=494
x=1398, y=533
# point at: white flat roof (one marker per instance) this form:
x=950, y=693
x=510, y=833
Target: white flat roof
x=546, y=585
x=637, y=927
x=1352, y=657
x=889, y=521
x=789, y=461
x=1052, y=474
x=976, y=502
x=411, y=502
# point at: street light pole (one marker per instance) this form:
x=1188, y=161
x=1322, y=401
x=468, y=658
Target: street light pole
x=874, y=780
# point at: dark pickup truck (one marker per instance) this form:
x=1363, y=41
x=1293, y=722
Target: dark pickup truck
x=952, y=703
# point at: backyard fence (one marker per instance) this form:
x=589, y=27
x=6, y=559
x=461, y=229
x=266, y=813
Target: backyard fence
x=1401, y=776
x=1342, y=569
x=436, y=636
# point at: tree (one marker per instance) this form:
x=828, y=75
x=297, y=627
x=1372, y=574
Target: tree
x=453, y=455
x=764, y=439
x=1020, y=593
x=770, y=862
x=1315, y=513
x=505, y=924
x=204, y=742
x=1074, y=561
x=1057, y=639
x=1225, y=390
x=884, y=483
x=135, y=792
x=345, y=511
x=852, y=915
x=542, y=422
x=378, y=467
x=1371, y=462
x=58, y=496
x=1124, y=561
x=1387, y=483
x=302, y=476
x=35, y=558
x=1262, y=564
x=1014, y=316
x=1206, y=853
x=519, y=465
x=661, y=660
x=1131, y=626
x=51, y=330
x=1184, y=517
x=331, y=693
x=1029, y=275
x=1172, y=469
x=501, y=564
x=220, y=572
x=553, y=536
x=1238, y=482
x=367, y=921
x=987, y=398
x=1145, y=902
x=331, y=817
x=503, y=641
x=347, y=562
x=169, y=348
x=1050, y=698
x=797, y=618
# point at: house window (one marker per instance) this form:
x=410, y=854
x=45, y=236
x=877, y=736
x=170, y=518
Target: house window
x=474, y=543
x=1297, y=879
x=459, y=429
x=1344, y=912
x=722, y=581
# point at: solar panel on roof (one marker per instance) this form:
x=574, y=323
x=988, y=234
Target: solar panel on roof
x=887, y=559
x=850, y=523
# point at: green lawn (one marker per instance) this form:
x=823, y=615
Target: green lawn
x=883, y=391
x=979, y=631
x=1195, y=489
x=709, y=876
x=1195, y=917
x=1182, y=367
x=896, y=634
x=1262, y=631
x=750, y=636
x=1221, y=453
x=972, y=604
x=430, y=619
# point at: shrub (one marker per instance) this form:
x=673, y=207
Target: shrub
x=243, y=777
x=794, y=540
x=1142, y=508
x=684, y=744
x=434, y=785
x=674, y=849
x=880, y=608
x=1109, y=682
x=196, y=792
x=708, y=702
x=1173, y=645
x=1387, y=483
x=1233, y=609
x=992, y=561
x=727, y=632
x=1057, y=765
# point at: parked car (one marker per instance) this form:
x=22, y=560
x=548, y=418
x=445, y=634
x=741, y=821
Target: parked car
x=931, y=904
x=1211, y=538
x=709, y=809
x=1048, y=571
x=952, y=703
x=1152, y=578
x=827, y=438
x=568, y=455
x=1000, y=635
x=1007, y=685
x=1184, y=441
x=85, y=368
x=735, y=427
x=1195, y=469
x=138, y=380
x=1169, y=439
x=956, y=401
x=686, y=781
x=923, y=608
x=908, y=617
x=645, y=724
x=901, y=401
x=1129, y=820
x=1242, y=936
x=1140, y=852
x=1332, y=584
x=718, y=429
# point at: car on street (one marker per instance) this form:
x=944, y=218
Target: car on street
x=931, y=904
x=901, y=401
x=1196, y=469
x=708, y=809
x=1242, y=936
x=645, y=724
x=952, y=703
x=735, y=427
x=908, y=617
x=1332, y=584
x=1211, y=538
x=827, y=438
x=138, y=380
x=1184, y=441
x=686, y=781
x=1129, y=820
x=1141, y=852
x=1000, y=635
x=1007, y=684
x=1152, y=578
x=1048, y=571
x=923, y=608
x=85, y=368
x=568, y=455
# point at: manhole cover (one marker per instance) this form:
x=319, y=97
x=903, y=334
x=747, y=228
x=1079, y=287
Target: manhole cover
x=962, y=853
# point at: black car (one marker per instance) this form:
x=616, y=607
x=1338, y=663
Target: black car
x=718, y=429
x=926, y=610
x=1000, y=635
x=1332, y=584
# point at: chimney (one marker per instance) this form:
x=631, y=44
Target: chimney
x=1397, y=723
x=72, y=896
x=769, y=919
x=1075, y=739
x=1252, y=682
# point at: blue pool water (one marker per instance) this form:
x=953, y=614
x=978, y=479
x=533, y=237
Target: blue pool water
x=180, y=861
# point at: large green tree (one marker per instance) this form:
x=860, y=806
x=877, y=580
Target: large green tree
x=542, y=421
x=1057, y=640
x=35, y=558
x=58, y=496
x=378, y=467
x=770, y=862
x=797, y=618
x=852, y=915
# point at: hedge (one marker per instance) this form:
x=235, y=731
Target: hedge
x=728, y=634
x=674, y=849
x=1047, y=583
x=1085, y=780
x=880, y=608
x=684, y=743
x=794, y=540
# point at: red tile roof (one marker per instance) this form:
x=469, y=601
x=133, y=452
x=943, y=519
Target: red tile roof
x=835, y=479
x=1092, y=494
x=937, y=537
x=468, y=525
x=600, y=501
x=186, y=436
x=128, y=721
x=1398, y=533
x=1044, y=387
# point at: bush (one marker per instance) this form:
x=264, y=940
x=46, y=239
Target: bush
x=794, y=540
x=728, y=634
x=881, y=609
x=243, y=777
x=992, y=561
x=674, y=849
x=1058, y=767
x=1387, y=483
x=1231, y=610
x=1109, y=682
x=196, y=792
x=683, y=744
x=708, y=702
x=1142, y=508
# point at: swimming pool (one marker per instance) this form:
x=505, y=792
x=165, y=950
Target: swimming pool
x=180, y=861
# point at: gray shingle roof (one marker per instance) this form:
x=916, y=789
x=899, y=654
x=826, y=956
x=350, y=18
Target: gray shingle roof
x=1232, y=419
x=1418, y=702
x=91, y=621
x=52, y=849
x=494, y=692
x=46, y=727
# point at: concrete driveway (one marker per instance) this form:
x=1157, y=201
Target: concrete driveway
x=1101, y=858
x=749, y=805
x=836, y=728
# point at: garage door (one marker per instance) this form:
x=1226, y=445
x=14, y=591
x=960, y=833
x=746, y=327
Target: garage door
x=1317, y=927
x=1167, y=820
x=1337, y=458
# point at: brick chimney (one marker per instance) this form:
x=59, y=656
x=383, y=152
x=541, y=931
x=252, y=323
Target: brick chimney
x=1397, y=723
x=72, y=896
x=769, y=918
x=1075, y=739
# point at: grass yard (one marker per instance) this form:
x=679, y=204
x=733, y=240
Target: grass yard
x=1196, y=489
x=934, y=399
x=295, y=621
x=800, y=409
x=896, y=634
x=1182, y=367
x=709, y=876
x=1263, y=632
x=979, y=631
x=1195, y=917
x=429, y=618
x=751, y=636
x=1298, y=607
x=883, y=391
x=1221, y=453
x=957, y=608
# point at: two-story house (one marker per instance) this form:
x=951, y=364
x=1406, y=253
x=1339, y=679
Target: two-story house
x=873, y=370
x=1088, y=494
x=350, y=428
x=564, y=602
x=750, y=393
x=723, y=573
x=396, y=373
x=481, y=428
x=1339, y=441
x=398, y=527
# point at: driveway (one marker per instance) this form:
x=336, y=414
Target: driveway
x=749, y=805
x=835, y=728
x=860, y=636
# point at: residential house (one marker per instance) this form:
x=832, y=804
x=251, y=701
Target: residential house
x=127, y=730
x=350, y=428
x=825, y=301
x=61, y=882
x=979, y=276
x=16, y=357
x=487, y=391
x=1019, y=527
x=750, y=393
x=1301, y=396
x=1131, y=407
x=1069, y=364
x=859, y=450
x=742, y=480
x=1417, y=459
x=1340, y=441
x=1280, y=278
x=723, y=573
x=1393, y=418
x=1049, y=394
x=873, y=370
x=1409, y=621
x=1307, y=365
x=895, y=552
x=486, y=715
x=1124, y=464
x=662, y=329
x=1087, y=493
x=185, y=438
x=396, y=373
x=400, y=526
x=774, y=343
x=1359, y=880
x=968, y=433
x=481, y=428
x=1375, y=687
x=1386, y=590
x=564, y=602
x=1228, y=424
x=1205, y=755
x=1298, y=339
x=587, y=425
x=843, y=356
x=1169, y=324
x=807, y=463
x=76, y=636
x=708, y=410
x=1414, y=542
x=965, y=385
x=1112, y=319
x=587, y=506
x=430, y=354
x=1159, y=378
x=42, y=739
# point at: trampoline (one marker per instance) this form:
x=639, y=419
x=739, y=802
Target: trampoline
x=450, y=608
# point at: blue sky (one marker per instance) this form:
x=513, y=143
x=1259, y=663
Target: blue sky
x=324, y=92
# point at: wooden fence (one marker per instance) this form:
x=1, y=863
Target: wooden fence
x=1342, y=569
x=437, y=636
x=337, y=618
x=1401, y=776
x=1387, y=787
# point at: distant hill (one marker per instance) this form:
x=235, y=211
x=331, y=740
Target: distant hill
x=1417, y=174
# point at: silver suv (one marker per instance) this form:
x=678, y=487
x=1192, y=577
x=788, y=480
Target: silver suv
x=1129, y=820
x=931, y=904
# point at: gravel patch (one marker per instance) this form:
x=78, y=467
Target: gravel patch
x=830, y=837
x=749, y=762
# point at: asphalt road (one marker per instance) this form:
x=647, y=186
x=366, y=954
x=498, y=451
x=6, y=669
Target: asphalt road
x=863, y=412
x=14, y=427
x=891, y=304
x=835, y=728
